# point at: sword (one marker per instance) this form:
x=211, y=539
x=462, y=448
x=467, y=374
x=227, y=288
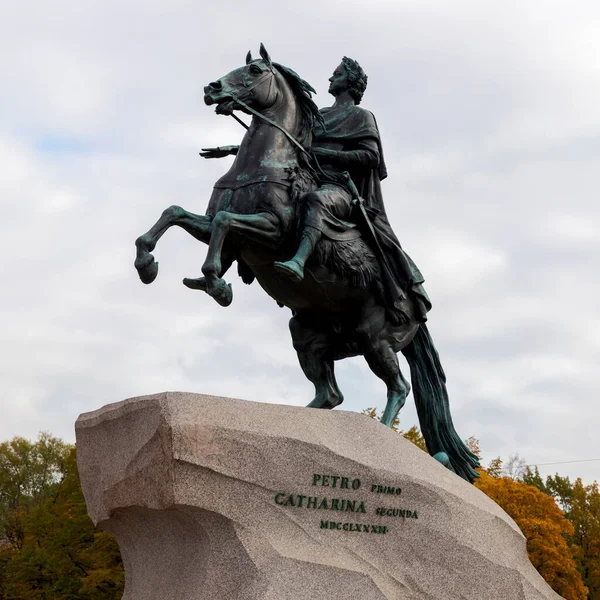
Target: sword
x=367, y=227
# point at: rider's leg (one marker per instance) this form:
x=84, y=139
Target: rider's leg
x=316, y=207
x=294, y=267
x=313, y=348
x=327, y=209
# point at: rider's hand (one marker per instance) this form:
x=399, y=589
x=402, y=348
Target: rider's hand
x=219, y=152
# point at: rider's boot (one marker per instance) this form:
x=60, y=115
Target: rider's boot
x=294, y=268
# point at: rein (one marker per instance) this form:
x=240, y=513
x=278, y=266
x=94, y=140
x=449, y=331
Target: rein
x=273, y=123
x=287, y=134
x=313, y=162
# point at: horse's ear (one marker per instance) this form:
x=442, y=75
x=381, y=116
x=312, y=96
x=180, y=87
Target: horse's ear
x=265, y=54
x=249, y=57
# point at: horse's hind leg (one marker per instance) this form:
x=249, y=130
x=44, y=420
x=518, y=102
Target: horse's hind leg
x=313, y=349
x=196, y=225
x=261, y=227
x=382, y=360
x=384, y=363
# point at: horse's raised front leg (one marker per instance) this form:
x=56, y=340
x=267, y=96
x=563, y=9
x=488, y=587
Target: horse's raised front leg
x=200, y=283
x=196, y=225
x=261, y=227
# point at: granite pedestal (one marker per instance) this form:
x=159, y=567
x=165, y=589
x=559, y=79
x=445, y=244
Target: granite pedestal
x=221, y=499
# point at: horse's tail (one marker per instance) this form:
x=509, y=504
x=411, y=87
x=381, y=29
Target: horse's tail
x=431, y=399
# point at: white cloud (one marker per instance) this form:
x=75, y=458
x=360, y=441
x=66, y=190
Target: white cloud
x=489, y=117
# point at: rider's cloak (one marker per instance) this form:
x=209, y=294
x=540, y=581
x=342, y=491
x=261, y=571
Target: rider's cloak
x=354, y=131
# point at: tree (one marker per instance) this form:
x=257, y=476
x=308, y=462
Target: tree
x=535, y=479
x=582, y=508
x=561, y=489
x=474, y=446
x=59, y=555
x=413, y=435
x=29, y=473
x=584, y=514
x=495, y=467
x=564, y=547
x=546, y=529
x=515, y=467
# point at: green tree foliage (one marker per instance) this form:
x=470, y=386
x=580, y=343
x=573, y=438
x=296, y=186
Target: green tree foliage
x=535, y=479
x=584, y=514
x=561, y=489
x=52, y=550
x=29, y=473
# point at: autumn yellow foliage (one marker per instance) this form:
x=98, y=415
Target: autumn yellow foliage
x=545, y=527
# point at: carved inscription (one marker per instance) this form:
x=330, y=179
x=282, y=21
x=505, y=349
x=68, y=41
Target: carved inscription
x=347, y=504
x=315, y=502
x=360, y=527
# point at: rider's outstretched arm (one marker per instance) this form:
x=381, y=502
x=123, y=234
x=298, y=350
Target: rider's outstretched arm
x=219, y=151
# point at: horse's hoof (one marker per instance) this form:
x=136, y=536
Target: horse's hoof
x=327, y=402
x=196, y=284
x=389, y=420
x=290, y=269
x=221, y=292
x=394, y=405
x=147, y=269
x=443, y=458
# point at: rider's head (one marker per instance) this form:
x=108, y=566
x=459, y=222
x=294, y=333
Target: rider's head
x=357, y=79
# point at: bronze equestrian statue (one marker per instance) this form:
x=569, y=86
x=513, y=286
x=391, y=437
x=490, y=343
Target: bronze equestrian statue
x=301, y=211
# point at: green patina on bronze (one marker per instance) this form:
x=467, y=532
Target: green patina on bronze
x=301, y=212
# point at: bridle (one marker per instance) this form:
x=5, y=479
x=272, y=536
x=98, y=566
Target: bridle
x=312, y=161
x=254, y=112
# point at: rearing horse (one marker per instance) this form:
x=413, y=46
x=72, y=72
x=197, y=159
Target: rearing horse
x=338, y=308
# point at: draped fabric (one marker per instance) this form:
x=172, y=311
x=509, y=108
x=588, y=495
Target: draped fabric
x=351, y=142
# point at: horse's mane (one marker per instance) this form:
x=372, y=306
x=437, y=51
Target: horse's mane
x=311, y=117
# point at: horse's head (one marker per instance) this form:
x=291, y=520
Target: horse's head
x=255, y=84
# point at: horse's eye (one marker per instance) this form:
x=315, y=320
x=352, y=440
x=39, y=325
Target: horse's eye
x=255, y=70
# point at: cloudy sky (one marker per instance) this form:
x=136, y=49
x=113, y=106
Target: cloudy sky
x=490, y=118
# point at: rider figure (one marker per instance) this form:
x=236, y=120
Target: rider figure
x=350, y=144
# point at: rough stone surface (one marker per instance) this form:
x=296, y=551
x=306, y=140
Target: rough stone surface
x=187, y=483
